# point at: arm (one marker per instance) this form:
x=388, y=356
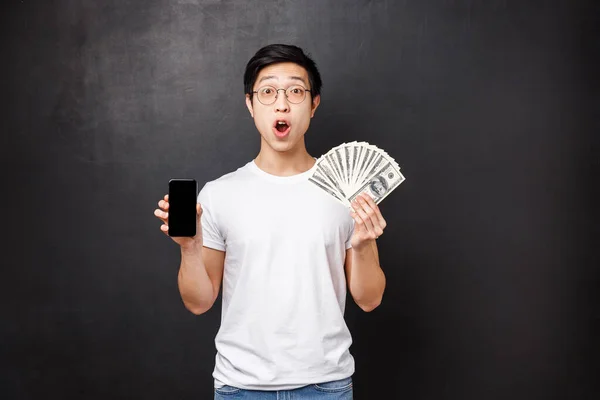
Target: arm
x=366, y=280
x=201, y=268
x=199, y=279
x=365, y=277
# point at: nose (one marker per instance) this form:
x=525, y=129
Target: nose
x=281, y=102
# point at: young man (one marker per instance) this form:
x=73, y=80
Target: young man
x=284, y=250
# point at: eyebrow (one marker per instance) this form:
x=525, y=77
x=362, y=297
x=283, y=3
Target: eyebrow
x=296, y=78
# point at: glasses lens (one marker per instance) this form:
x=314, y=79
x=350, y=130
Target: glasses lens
x=295, y=94
x=267, y=94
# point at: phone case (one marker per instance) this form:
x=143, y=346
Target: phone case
x=183, y=195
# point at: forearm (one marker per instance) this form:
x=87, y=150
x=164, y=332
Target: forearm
x=195, y=286
x=368, y=279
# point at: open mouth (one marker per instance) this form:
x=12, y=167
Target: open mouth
x=282, y=127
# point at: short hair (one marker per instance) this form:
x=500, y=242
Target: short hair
x=280, y=53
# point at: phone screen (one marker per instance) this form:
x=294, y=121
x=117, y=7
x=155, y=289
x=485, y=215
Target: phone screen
x=182, y=207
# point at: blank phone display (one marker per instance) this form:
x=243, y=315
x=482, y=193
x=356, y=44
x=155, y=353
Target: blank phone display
x=182, y=207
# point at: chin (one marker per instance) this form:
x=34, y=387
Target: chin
x=281, y=147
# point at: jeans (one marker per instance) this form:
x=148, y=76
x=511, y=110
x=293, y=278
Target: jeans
x=334, y=390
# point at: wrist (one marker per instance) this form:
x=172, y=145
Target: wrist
x=363, y=247
x=191, y=248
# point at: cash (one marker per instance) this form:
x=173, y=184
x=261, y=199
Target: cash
x=353, y=168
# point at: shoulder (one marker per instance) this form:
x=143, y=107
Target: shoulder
x=225, y=184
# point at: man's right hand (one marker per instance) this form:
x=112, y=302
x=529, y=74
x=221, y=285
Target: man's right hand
x=162, y=213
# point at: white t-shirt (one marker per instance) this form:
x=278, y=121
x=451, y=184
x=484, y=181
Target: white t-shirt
x=284, y=287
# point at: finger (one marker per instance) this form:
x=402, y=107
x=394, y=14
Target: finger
x=371, y=215
x=164, y=228
x=166, y=197
x=163, y=204
x=371, y=202
x=358, y=207
x=356, y=218
x=375, y=229
x=160, y=214
x=376, y=209
x=359, y=225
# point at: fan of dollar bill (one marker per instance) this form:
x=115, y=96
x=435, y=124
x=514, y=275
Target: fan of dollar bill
x=353, y=168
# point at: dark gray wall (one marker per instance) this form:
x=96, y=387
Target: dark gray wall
x=491, y=251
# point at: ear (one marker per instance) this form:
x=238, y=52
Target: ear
x=315, y=103
x=249, y=105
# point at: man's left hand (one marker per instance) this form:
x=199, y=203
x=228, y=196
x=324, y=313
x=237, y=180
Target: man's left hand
x=369, y=223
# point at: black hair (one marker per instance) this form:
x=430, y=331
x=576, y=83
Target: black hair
x=278, y=53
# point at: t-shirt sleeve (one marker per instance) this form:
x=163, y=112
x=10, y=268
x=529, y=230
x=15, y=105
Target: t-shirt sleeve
x=350, y=233
x=212, y=236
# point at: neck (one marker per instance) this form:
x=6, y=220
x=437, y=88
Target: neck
x=284, y=163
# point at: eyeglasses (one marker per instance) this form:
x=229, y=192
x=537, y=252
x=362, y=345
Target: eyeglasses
x=268, y=94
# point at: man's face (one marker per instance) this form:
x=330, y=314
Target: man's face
x=296, y=117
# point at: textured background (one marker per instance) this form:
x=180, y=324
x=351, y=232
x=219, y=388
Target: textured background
x=491, y=252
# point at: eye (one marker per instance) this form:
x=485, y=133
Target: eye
x=267, y=90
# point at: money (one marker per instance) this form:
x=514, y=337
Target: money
x=381, y=184
x=353, y=168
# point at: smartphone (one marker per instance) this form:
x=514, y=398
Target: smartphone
x=183, y=196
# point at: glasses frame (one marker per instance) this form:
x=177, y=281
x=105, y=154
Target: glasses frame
x=284, y=91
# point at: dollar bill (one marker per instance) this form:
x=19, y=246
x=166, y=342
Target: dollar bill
x=357, y=167
x=380, y=184
x=330, y=177
x=320, y=182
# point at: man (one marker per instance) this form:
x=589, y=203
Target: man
x=283, y=250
